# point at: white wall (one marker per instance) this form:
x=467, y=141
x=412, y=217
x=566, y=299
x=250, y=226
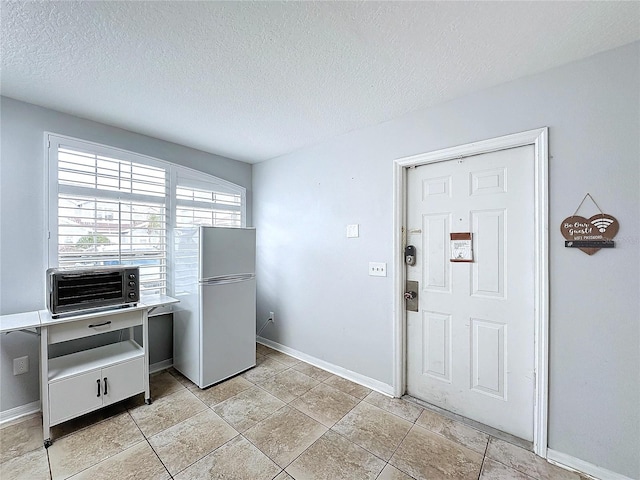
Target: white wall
x=327, y=306
x=22, y=222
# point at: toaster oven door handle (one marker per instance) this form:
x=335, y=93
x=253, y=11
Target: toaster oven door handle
x=99, y=324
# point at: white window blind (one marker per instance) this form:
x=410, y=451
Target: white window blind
x=112, y=207
x=112, y=211
x=211, y=204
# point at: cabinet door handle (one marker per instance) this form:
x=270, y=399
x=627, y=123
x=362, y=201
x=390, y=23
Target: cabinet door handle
x=98, y=388
x=105, y=385
x=100, y=324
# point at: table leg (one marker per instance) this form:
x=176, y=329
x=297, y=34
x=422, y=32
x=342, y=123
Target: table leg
x=44, y=385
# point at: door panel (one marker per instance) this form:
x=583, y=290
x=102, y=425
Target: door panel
x=488, y=270
x=123, y=380
x=488, y=182
x=488, y=358
x=74, y=396
x=436, y=329
x=470, y=347
x=436, y=272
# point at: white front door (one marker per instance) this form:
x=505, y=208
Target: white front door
x=470, y=346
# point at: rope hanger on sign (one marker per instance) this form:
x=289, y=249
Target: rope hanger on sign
x=594, y=202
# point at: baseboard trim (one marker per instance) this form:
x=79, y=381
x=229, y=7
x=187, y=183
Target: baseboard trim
x=363, y=380
x=163, y=365
x=569, y=462
x=21, y=411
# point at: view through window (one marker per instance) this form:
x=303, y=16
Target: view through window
x=117, y=208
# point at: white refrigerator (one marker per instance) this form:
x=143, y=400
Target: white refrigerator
x=214, y=324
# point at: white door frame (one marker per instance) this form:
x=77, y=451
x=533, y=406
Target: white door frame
x=538, y=138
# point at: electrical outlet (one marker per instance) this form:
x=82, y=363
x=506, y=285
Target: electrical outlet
x=272, y=317
x=20, y=365
x=377, y=269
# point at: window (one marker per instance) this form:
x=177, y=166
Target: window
x=112, y=207
x=205, y=203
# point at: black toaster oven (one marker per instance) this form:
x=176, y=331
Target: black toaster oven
x=75, y=290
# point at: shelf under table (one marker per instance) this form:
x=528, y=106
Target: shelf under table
x=86, y=360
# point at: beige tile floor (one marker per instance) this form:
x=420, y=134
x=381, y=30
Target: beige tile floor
x=282, y=420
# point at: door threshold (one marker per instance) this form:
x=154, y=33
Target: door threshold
x=507, y=437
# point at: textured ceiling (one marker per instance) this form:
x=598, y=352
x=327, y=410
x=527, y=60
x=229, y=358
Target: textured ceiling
x=254, y=80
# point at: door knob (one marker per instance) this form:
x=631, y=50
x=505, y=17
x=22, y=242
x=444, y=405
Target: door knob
x=410, y=295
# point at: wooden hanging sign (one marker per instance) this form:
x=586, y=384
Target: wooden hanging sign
x=589, y=234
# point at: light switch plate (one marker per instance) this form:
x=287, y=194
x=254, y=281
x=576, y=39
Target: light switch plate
x=377, y=269
x=353, y=231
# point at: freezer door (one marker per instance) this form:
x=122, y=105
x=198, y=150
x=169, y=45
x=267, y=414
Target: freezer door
x=228, y=342
x=227, y=251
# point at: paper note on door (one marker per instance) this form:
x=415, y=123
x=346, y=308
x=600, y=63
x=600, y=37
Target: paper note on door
x=461, y=250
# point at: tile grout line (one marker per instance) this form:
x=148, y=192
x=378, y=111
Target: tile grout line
x=264, y=453
x=386, y=462
x=481, y=468
x=512, y=467
x=484, y=457
x=413, y=423
x=273, y=394
x=399, y=444
x=158, y=457
x=49, y=464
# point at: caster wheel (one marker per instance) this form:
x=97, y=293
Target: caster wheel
x=47, y=443
x=148, y=401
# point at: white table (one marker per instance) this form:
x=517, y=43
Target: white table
x=19, y=321
x=81, y=382
x=31, y=320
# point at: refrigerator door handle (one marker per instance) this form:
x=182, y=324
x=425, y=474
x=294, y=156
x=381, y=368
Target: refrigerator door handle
x=223, y=280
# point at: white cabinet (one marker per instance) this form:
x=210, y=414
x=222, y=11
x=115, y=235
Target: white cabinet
x=84, y=381
x=69, y=384
x=122, y=381
x=76, y=388
x=74, y=396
